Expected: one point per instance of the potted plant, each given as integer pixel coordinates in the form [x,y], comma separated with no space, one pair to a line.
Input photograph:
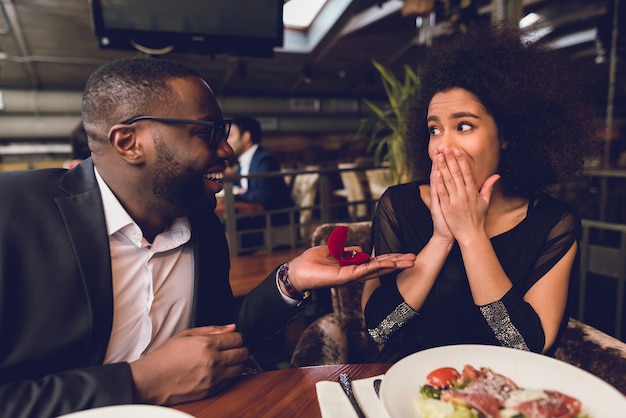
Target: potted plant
[386,128]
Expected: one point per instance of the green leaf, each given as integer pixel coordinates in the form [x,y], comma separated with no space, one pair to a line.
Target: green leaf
[386,127]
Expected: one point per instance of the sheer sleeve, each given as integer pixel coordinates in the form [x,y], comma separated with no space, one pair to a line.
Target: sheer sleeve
[559,240]
[385,227]
[386,311]
[513,321]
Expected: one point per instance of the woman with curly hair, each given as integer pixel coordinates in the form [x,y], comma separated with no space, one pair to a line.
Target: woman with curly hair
[497,121]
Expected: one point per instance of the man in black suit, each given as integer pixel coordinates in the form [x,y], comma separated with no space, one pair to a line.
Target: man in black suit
[256,193]
[245,140]
[114,275]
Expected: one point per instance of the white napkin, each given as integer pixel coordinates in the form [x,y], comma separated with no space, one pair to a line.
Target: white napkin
[335,404]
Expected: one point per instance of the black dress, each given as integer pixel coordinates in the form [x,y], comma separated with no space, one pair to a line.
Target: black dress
[449,316]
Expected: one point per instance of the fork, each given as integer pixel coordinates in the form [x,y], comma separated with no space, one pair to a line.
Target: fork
[345,381]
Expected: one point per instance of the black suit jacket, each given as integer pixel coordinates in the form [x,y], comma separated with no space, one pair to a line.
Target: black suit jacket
[56,304]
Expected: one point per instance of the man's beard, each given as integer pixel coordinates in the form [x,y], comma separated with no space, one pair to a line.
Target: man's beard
[177,186]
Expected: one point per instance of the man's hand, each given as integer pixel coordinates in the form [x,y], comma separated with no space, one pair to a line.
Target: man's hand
[316,268]
[191,365]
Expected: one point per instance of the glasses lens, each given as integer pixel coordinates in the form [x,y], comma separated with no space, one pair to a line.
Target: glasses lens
[226,127]
[221,128]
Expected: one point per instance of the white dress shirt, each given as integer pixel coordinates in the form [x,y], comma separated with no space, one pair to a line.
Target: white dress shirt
[152,282]
[244,165]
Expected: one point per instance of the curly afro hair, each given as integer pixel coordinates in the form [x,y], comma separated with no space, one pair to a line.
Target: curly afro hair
[538,103]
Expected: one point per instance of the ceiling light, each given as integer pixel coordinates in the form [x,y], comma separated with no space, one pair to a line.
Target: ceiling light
[529,19]
[301,13]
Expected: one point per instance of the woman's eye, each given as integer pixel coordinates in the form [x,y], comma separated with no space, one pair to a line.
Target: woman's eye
[464,127]
[433,130]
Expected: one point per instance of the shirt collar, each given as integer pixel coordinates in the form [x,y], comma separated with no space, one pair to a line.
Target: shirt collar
[115,215]
[117,219]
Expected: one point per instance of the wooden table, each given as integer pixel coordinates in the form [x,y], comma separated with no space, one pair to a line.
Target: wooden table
[280,393]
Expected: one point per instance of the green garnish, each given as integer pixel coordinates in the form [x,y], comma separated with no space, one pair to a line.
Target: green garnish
[430,391]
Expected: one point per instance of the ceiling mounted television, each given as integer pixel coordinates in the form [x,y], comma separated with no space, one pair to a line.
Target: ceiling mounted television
[238,27]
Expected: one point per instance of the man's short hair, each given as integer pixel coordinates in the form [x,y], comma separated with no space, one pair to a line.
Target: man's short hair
[249,124]
[128,87]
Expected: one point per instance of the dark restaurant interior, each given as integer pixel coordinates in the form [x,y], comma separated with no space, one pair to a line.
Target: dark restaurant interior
[309,86]
[307,92]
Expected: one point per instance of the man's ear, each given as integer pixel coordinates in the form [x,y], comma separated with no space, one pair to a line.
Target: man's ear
[123,139]
[246,138]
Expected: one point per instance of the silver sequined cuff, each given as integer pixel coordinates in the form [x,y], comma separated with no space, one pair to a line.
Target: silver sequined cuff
[499,320]
[396,319]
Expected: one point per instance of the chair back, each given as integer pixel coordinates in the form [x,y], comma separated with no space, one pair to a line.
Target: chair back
[303,193]
[354,192]
[346,300]
[594,351]
[379,179]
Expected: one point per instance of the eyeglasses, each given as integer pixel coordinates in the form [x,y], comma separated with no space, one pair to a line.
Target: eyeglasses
[219,127]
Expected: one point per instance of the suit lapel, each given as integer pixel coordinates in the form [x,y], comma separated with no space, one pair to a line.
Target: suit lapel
[83,215]
[254,161]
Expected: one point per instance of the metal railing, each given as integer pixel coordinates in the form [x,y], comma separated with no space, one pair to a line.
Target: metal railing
[603,255]
[327,206]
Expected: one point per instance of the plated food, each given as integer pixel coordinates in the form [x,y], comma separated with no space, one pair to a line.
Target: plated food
[482,392]
[403,381]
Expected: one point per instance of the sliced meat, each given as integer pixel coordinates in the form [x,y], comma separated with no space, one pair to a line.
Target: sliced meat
[553,405]
[487,392]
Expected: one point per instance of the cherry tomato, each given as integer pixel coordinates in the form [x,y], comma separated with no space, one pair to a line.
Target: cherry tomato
[442,377]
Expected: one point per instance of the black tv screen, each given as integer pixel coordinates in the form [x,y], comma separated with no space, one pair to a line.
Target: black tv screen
[239,27]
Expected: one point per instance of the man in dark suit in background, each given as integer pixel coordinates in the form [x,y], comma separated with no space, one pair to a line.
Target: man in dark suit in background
[256,194]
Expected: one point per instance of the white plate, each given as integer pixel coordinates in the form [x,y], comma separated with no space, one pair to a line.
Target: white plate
[128,411]
[529,370]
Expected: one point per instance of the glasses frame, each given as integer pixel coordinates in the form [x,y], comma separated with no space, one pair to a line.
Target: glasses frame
[220,126]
